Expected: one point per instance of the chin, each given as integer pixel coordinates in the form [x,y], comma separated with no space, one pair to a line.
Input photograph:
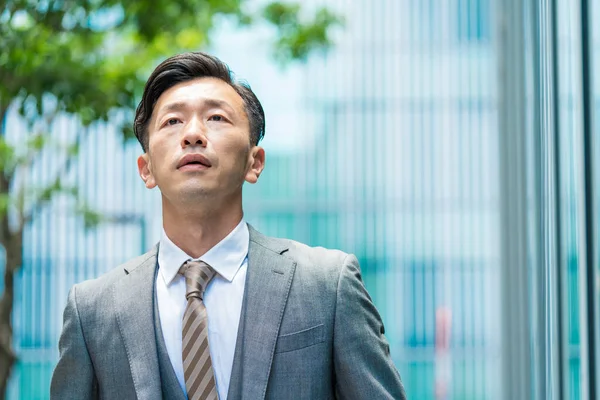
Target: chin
[194,194]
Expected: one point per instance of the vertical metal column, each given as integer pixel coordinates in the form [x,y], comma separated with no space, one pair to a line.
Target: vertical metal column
[590,222]
[561,342]
[547,266]
[515,279]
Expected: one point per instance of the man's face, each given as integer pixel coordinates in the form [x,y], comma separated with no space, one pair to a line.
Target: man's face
[199,143]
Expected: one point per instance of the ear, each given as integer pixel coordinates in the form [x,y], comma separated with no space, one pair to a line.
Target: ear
[145,171]
[256,164]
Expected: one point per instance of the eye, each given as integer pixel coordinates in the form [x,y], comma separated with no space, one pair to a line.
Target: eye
[217,118]
[172,121]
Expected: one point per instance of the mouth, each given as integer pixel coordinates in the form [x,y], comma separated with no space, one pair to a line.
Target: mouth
[193,162]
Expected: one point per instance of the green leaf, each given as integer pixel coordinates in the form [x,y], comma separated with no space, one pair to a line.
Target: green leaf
[91,217]
[37,142]
[7,155]
[47,192]
[73,150]
[281,14]
[127,132]
[298,37]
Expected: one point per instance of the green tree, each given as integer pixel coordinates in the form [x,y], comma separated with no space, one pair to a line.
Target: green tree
[87,58]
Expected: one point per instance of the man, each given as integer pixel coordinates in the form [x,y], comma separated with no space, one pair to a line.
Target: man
[216,308]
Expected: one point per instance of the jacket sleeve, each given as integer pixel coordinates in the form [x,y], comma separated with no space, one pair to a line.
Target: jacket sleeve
[363,366]
[73,377]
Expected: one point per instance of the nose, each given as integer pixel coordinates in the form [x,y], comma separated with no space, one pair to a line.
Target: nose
[193,135]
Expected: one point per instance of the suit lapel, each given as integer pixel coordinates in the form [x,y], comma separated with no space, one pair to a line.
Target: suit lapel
[134,295]
[268,282]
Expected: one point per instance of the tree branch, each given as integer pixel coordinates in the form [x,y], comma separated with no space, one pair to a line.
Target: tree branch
[4,227]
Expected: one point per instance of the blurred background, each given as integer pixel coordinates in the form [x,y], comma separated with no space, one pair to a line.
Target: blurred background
[452,145]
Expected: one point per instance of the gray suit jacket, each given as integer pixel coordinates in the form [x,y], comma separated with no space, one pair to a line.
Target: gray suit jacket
[308,330]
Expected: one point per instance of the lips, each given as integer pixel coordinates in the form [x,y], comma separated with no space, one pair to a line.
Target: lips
[194,159]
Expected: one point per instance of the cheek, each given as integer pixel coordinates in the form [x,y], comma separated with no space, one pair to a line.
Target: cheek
[156,165]
[232,152]
[159,151]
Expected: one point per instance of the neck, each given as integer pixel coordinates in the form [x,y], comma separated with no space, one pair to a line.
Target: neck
[197,231]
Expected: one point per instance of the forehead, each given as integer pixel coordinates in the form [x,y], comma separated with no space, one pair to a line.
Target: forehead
[198,91]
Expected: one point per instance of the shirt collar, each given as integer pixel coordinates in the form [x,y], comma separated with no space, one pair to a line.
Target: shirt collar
[226,257]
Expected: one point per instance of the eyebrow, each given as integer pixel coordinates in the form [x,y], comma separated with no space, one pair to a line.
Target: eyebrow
[208,103]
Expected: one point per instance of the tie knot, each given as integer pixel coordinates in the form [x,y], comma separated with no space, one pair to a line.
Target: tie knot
[197,276]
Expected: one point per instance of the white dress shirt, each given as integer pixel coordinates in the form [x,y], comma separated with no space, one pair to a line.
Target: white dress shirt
[222,298]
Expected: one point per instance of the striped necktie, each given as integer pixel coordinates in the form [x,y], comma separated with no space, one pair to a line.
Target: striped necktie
[197,365]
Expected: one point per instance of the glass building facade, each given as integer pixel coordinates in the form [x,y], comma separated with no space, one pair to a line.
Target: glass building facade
[451,145]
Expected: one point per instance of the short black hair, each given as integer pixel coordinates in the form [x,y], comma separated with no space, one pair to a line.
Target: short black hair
[185,67]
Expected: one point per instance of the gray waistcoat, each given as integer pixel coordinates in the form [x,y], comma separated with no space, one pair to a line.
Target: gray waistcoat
[169,384]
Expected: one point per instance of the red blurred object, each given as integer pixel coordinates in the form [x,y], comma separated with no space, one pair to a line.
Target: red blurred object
[443,365]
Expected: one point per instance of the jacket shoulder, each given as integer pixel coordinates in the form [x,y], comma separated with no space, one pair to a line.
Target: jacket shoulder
[319,260]
[317,255]
[98,287]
